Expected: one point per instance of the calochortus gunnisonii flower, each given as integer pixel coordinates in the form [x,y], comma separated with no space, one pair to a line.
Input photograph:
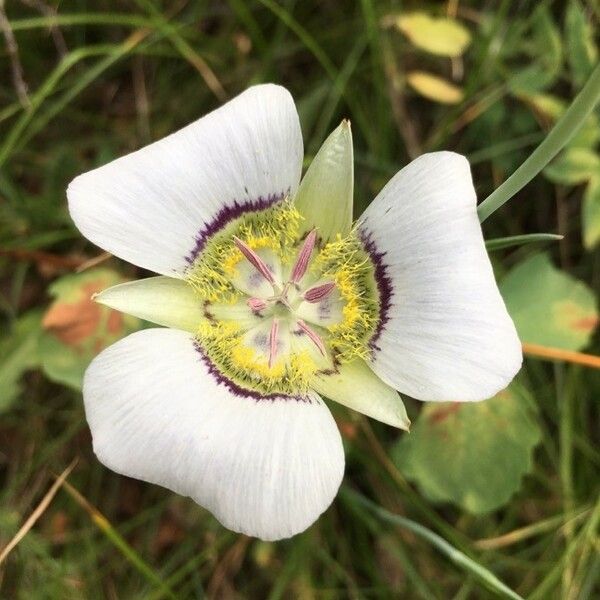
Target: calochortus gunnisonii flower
[271,298]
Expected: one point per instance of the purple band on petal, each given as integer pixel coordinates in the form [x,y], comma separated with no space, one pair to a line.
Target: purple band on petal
[236,389]
[226,215]
[384,284]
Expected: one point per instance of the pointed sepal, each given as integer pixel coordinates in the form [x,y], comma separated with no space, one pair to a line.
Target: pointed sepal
[162,300]
[355,385]
[324,197]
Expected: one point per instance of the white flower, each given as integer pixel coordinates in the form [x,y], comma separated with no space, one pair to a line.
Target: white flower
[271,298]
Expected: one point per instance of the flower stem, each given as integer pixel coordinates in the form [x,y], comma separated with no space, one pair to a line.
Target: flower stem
[555,141]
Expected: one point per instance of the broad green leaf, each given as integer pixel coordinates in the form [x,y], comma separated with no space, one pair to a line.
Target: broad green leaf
[548,306]
[77,328]
[18,353]
[471,454]
[443,36]
[591,213]
[435,88]
[573,166]
[582,52]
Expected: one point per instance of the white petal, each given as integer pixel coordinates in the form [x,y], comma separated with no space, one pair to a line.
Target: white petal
[161,300]
[446,334]
[157,206]
[325,194]
[263,467]
[354,385]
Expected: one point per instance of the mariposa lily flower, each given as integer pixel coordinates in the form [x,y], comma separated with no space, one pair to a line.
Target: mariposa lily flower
[271,299]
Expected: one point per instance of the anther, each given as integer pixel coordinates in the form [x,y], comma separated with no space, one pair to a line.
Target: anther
[317,293]
[273,341]
[254,259]
[304,257]
[256,304]
[314,337]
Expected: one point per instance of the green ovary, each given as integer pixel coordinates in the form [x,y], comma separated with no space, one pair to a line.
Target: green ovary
[265,336]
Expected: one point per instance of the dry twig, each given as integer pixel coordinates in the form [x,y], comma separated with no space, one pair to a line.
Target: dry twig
[38,512]
[12,50]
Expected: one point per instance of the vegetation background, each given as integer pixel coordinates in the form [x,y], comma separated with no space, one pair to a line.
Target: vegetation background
[511,485]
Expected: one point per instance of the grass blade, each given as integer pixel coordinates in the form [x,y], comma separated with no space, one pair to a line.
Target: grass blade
[38,512]
[117,540]
[520,240]
[456,556]
[561,133]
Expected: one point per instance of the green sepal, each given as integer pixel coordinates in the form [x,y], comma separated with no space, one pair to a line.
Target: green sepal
[356,386]
[324,197]
[162,300]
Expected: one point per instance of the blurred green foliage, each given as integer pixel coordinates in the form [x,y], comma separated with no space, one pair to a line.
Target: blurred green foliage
[104,78]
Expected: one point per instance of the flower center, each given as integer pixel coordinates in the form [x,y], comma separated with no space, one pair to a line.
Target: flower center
[279,307]
[285,306]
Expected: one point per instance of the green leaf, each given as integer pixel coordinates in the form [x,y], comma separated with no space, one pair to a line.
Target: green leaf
[573,166]
[435,88]
[443,36]
[560,135]
[18,353]
[530,80]
[553,108]
[591,214]
[471,454]
[588,136]
[548,306]
[582,51]
[547,39]
[548,105]
[546,55]
[77,328]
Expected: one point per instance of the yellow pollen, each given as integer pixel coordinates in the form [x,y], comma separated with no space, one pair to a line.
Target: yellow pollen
[226,334]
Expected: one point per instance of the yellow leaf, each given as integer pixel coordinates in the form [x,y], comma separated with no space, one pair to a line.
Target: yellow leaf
[548,105]
[443,36]
[435,88]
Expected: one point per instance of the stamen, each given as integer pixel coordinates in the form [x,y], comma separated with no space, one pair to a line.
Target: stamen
[273,341]
[304,257]
[317,293]
[254,259]
[256,304]
[314,337]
